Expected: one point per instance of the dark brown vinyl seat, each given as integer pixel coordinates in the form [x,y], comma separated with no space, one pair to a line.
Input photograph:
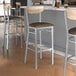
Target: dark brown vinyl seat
[72,31]
[16,17]
[41,24]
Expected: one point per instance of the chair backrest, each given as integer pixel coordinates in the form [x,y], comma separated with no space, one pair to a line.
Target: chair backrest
[71,13]
[18,10]
[6,8]
[35,9]
[18,4]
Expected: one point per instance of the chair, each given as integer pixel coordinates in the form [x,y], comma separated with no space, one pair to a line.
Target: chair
[19,22]
[7,22]
[37,26]
[70,14]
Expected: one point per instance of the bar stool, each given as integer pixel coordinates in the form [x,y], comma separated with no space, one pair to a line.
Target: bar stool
[70,14]
[37,26]
[7,22]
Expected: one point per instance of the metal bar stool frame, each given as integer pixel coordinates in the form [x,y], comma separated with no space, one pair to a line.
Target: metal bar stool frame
[35,33]
[6,28]
[7,18]
[69,14]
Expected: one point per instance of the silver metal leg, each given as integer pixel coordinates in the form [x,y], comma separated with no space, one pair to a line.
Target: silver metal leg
[16,30]
[21,39]
[4,37]
[21,34]
[52,33]
[27,42]
[7,37]
[36,63]
[40,45]
[65,61]
[75,52]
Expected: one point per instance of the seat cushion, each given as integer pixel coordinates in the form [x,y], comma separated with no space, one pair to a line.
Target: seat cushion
[16,17]
[73,31]
[40,24]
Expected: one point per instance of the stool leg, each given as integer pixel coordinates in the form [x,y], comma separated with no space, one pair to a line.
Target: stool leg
[36,63]
[27,42]
[21,34]
[4,37]
[7,43]
[75,52]
[40,46]
[16,30]
[52,33]
[66,54]
[7,30]
[16,13]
